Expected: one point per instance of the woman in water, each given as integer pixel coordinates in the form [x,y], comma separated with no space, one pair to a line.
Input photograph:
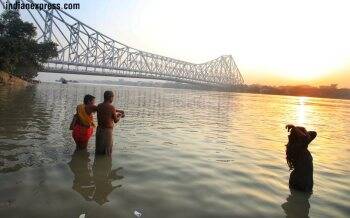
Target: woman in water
[299,158]
[82,123]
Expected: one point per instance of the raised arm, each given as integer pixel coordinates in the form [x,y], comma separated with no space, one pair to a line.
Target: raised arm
[312,135]
[93,108]
[301,132]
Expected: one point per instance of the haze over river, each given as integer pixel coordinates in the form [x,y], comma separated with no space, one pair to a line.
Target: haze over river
[177,153]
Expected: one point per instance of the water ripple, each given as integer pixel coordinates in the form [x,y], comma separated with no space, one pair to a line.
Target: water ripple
[178,153]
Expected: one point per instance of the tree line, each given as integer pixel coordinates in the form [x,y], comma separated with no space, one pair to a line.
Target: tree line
[20,54]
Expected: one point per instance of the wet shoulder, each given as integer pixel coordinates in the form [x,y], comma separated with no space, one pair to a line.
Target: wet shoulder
[105,108]
[111,107]
[100,107]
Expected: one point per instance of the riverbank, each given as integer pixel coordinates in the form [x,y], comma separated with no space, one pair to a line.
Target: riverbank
[11,80]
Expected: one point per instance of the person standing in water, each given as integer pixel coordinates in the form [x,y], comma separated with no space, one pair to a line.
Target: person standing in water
[107,116]
[83,122]
[299,158]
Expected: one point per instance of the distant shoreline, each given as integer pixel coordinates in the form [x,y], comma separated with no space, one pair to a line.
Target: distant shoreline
[307,96]
[330,92]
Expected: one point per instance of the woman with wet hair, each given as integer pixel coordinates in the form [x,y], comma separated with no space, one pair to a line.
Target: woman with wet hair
[83,122]
[299,158]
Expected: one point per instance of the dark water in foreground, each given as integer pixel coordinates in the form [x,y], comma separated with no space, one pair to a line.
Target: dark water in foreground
[178,153]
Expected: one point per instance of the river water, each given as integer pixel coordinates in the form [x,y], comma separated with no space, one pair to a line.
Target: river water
[177,153]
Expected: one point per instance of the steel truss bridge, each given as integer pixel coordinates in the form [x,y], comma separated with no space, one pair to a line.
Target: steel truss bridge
[84,50]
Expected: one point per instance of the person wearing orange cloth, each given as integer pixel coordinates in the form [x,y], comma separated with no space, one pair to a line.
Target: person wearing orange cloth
[83,122]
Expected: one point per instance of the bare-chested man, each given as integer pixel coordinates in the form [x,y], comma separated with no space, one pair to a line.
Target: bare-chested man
[107,115]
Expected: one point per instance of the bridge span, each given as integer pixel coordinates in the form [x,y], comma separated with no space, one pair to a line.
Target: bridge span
[84,50]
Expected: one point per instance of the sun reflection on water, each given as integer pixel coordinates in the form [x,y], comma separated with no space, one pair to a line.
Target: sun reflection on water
[301,117]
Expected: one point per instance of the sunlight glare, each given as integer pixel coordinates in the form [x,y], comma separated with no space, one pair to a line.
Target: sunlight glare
[301,112]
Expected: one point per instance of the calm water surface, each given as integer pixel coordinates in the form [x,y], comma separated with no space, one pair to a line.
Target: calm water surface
[177,153]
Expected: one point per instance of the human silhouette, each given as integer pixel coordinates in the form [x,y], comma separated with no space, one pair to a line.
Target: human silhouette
[297,205]
[83,181]
[93,183]
[299,158]
[103,176]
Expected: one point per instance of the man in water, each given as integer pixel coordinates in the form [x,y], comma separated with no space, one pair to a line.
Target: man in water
[107,115]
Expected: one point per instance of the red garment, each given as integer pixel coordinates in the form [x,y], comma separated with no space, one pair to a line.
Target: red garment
[81,134]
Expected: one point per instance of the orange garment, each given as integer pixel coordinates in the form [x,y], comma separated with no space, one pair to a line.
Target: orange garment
[82,134]
[83,130]
[84,118]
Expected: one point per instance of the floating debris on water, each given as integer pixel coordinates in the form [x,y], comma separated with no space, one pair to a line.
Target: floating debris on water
[137,214]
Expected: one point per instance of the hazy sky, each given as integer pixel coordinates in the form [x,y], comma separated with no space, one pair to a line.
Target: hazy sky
[272,41]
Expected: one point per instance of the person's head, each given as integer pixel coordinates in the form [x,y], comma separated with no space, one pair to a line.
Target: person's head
[89,100]
[108,96]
